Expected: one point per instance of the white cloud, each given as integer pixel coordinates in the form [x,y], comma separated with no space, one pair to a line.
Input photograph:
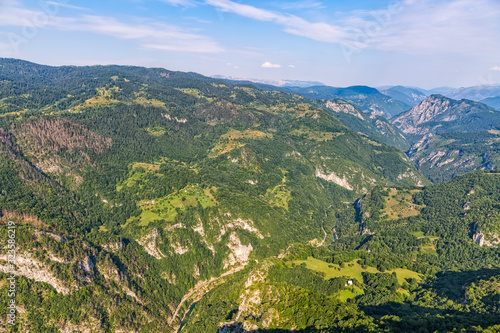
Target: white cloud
[466,27]
[429,27]
[196,19]
[304,4]
[495,68]
[147,33]
[291,66]
[267,64]
[184,3]
[319,31]
[62,4]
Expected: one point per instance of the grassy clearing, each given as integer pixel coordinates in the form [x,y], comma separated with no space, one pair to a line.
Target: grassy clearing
[249,91]
[146,101]
[418,234]
[148,216]
[103,97]
[229,141]
[315,135]
[428,248]
[13,113]
[146,166]
[155,131]
[354,271]
[233,134]
[350,292]
[400,204]
[494,131]
[279,196]
[96,101]
[224,147]
[298,110]
[138,171]
[351,269]
[195,92]
[168,207]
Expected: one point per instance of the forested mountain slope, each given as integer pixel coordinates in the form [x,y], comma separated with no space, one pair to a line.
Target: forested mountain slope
[132,186]
[147,200]
[375,127]
[450,137]
[401,260]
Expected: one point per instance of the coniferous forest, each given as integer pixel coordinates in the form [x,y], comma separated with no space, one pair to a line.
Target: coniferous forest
[148,200]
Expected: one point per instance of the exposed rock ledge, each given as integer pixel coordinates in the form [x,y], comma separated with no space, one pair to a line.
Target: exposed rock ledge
[334,178]
[35,270]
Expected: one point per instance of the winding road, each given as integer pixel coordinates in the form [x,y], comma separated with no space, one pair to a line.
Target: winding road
[324,238]
[188,295]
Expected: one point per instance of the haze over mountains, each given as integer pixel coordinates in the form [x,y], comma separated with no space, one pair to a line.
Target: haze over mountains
[486,93]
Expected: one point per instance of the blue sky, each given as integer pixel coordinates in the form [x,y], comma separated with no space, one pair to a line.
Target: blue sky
[426,43]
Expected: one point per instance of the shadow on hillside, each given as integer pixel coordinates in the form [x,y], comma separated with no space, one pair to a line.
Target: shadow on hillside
[403,317]
[419,319]
[448,285]
[451,284]
[359,329]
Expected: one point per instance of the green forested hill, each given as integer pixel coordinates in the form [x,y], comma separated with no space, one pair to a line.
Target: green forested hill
[147,200]
[425,260]
[142,184]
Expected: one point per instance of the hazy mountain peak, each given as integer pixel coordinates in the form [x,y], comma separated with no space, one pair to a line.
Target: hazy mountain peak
[278,83]
[437,110]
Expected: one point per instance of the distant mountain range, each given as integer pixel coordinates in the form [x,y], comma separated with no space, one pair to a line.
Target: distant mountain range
[428,125]
[278,83]
[367,99]
[475,93]
[409,96]
[398,98]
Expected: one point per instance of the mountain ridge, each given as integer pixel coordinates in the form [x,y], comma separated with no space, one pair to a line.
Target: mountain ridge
[440,113]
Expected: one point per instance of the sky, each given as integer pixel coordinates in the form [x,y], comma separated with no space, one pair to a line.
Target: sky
[421,43]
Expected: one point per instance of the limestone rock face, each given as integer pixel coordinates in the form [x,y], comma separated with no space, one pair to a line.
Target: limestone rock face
[341,106]
[478,238]
[427,110]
